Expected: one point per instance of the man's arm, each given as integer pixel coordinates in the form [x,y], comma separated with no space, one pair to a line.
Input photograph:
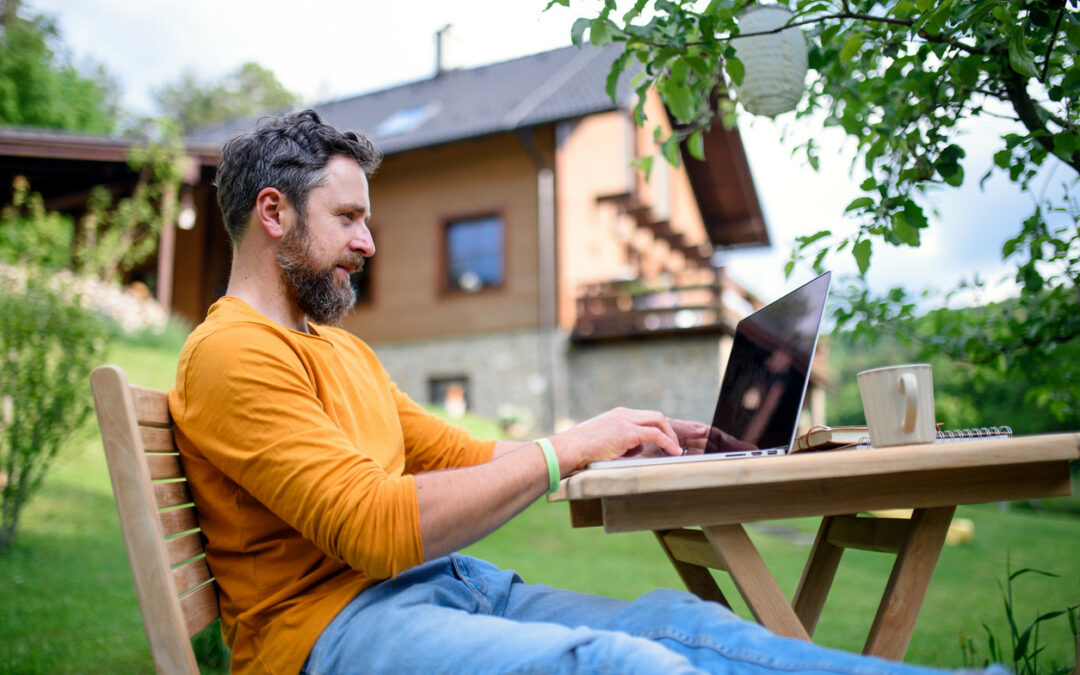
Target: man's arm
[461,506]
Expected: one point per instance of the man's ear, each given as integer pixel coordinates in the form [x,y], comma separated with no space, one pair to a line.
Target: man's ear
[270,204]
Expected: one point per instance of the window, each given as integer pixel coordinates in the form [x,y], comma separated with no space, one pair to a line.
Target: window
[474,253]
[450,393]
[361,281]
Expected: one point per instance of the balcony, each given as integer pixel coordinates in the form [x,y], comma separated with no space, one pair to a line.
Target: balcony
[712,303]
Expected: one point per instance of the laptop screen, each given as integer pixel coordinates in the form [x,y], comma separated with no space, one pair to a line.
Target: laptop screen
[768,371]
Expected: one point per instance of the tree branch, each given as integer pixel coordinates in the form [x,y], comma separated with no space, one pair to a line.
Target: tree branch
[1028,111]
[1050,47]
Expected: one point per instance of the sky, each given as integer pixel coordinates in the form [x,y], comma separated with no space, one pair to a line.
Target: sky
[327,49]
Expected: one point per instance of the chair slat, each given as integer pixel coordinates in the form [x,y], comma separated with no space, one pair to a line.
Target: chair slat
[164,466]
[200,608]
[171,494]
[178,520]
[185,547]
[191,574]
[151,406]
[157,439]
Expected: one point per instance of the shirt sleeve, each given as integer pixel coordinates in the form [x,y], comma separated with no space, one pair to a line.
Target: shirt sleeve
[253,413]
[432,444]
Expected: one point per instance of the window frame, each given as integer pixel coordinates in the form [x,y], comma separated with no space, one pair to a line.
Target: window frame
[446,287]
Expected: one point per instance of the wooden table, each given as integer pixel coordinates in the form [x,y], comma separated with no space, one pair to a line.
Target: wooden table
[718,497]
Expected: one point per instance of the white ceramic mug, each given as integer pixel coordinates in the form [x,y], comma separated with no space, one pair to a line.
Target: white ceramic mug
[898,402]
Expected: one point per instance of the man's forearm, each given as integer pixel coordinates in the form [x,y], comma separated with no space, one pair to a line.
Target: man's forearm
[462,506]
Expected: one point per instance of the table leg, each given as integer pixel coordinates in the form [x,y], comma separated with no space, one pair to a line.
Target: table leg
[904,594]
[754,581]
[817,578]
[698,579]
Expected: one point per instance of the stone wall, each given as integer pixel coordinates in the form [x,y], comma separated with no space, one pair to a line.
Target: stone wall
[503,370]
[678,376]
[508,373]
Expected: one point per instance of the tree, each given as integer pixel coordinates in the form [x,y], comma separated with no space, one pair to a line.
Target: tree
[249,90]
[40,88]
[899,77]
[49,342]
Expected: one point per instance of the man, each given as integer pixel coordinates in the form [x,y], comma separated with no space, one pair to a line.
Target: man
[332,504]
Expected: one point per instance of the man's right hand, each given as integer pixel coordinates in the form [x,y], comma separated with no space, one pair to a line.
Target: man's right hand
[620,432]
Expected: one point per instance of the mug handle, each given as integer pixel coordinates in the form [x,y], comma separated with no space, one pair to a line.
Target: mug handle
[910,389]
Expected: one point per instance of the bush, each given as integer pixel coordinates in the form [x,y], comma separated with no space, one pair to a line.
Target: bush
[48,345]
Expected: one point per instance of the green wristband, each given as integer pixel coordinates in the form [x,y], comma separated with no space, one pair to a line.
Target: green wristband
[552,463]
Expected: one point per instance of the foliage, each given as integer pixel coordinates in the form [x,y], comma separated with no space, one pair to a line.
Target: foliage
[990,362]
[40,88]
[899,78]
[1024,648]
[249,90]
[48,345]
[113,237]
[964,396]
[29,232]
[116,236]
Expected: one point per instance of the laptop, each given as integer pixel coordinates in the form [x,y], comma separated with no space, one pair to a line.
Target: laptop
[764,383]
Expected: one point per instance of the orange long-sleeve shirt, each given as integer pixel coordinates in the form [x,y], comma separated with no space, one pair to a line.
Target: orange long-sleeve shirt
[299,450]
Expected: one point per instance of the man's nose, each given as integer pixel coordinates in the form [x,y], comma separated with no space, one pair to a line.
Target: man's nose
[363,243]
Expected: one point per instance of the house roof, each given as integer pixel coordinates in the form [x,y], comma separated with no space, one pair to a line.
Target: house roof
[468,103]
[532,90]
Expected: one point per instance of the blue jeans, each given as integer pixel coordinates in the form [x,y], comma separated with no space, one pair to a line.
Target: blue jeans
[462,615]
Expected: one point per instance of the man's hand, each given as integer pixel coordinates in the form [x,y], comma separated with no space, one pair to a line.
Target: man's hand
[623,433]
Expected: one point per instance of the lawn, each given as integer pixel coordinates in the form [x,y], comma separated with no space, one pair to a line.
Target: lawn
[69,606]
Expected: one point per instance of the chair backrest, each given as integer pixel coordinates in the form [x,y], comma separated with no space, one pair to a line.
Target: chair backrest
[177,595]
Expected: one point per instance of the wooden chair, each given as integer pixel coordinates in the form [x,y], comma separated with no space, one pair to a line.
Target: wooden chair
[177,595]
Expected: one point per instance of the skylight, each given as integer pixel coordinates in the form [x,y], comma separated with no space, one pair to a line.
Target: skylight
[404,121]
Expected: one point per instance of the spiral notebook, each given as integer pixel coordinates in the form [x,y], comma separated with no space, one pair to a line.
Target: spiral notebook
[858,436]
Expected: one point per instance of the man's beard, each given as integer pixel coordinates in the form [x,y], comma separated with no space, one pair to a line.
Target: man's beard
[319,293]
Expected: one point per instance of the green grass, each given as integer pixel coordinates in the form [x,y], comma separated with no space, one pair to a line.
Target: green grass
[68,605]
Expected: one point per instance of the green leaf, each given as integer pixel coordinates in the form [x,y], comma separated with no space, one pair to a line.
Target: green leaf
[577,31]
[699,66]
[789,267]
[819,259]
[859,203]
[1066,143]
[914,215]
[1002,158]
[696,145]
[1020,57]
[811,238]
[862,251]
[851,47]
[645,165]
[599,32]
[735,70]
[904,231]
[679,99]
[670,149]
[952,174]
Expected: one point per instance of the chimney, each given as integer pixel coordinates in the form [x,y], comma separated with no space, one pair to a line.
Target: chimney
[443,50]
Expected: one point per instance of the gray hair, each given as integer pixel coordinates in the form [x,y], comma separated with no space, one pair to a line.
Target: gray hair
[288,153]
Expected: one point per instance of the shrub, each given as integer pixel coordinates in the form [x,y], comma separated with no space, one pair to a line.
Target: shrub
[48,345]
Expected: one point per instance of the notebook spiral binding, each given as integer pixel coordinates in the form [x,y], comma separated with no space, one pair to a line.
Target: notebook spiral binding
[947,435]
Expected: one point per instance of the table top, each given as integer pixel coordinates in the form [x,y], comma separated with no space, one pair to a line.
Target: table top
[818,466]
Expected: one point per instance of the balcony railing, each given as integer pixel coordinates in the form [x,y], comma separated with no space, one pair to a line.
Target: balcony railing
[620,309]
